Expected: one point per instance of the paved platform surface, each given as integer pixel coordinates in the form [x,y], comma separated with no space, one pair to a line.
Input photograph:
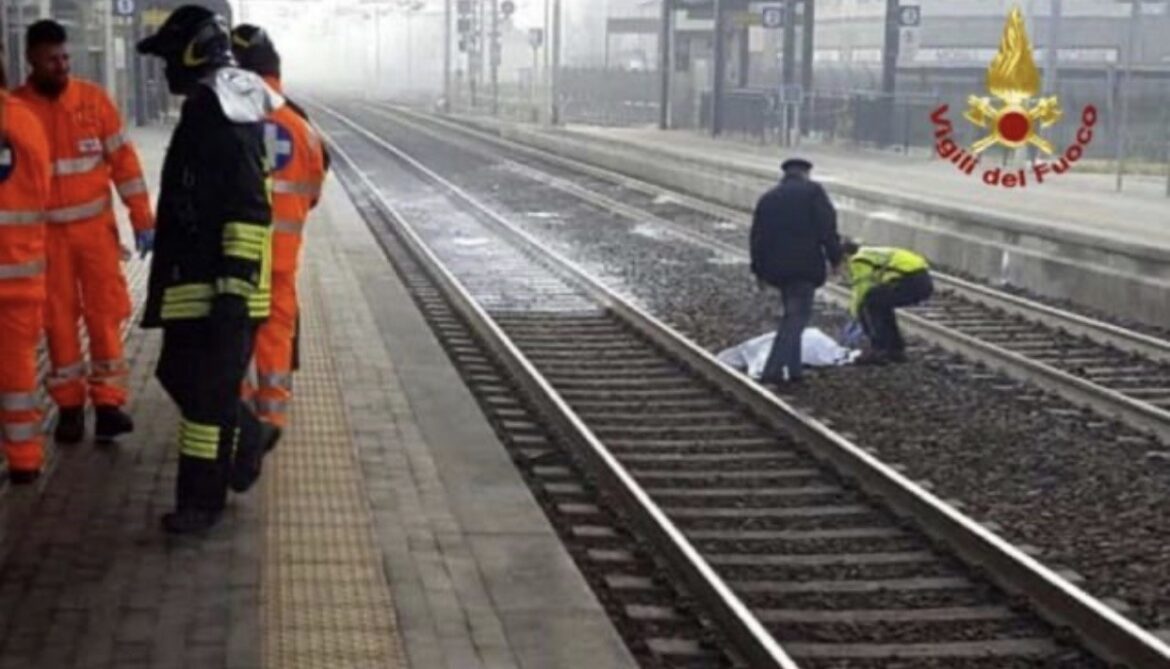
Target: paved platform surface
[390,528]
[1080,201]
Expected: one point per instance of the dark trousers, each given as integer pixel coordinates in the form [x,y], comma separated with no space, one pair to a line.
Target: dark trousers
[202,367]
[784,359]
[877,310]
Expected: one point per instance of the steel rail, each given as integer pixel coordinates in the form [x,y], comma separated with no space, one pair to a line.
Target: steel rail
[1100,628]
[1098,331]
[1070,387]
[734,619]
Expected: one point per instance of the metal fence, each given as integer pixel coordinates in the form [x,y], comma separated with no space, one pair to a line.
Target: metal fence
[1148,123]
[594,96]
[862,117]
[853,118]
[609,97]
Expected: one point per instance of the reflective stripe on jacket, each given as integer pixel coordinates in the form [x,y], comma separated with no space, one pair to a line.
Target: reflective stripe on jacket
[873,266]
[299,172]
[90,152]
[24,194]
[214,214]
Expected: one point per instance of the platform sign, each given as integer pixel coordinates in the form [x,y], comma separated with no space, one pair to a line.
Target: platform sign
[772,16]
[909,32]
[535,37]
[908,41]
[791,94]
[152,18]
[744,19]
[120,53]
[124,7]
[909,16]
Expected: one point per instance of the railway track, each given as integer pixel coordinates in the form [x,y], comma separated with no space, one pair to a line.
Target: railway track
[802,548]
[1118,372]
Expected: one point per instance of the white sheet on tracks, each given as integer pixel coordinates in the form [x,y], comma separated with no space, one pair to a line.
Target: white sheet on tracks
[817,349]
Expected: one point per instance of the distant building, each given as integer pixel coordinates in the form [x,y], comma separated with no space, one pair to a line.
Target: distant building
[965,33]
[953,34]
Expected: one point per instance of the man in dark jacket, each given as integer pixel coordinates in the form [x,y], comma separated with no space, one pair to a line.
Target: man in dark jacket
[210,278]
[793,240]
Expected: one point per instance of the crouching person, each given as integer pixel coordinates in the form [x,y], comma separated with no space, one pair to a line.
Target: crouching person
[884,279]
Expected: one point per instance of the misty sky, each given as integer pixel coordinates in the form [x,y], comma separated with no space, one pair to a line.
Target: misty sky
[332,41]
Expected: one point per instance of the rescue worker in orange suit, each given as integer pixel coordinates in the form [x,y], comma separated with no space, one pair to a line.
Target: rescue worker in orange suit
[210,277]
[300,162]
[90,150]
[24,197]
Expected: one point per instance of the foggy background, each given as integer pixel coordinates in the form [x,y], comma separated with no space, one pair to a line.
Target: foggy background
[1107,56]
[386,48]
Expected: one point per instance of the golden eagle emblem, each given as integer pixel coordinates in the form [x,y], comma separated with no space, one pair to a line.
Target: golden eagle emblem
[1013,78]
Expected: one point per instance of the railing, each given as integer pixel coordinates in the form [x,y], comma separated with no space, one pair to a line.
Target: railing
[857,117]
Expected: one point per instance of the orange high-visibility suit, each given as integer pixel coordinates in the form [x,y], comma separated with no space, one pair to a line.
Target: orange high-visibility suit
[24,196]
[89,151]
[299,163]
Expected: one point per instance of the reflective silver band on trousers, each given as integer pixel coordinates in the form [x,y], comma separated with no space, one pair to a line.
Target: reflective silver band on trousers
[79,212]
[11,217]
[68,166]
[131,187]
[21,431]
[266,406]
[22,270]
[109,366]
[19,401]
[296,188]
[67,373]
[275,380]
[291,227]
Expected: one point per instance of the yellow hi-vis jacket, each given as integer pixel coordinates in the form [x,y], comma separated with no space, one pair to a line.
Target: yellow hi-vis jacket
[874,265]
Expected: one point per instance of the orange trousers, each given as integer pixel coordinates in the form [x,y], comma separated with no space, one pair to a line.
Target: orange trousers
[84,280]
[21,323]
[274,352]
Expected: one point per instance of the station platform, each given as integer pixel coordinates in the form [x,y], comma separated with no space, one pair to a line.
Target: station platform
[390,528]
[1070,239]
[1079,201]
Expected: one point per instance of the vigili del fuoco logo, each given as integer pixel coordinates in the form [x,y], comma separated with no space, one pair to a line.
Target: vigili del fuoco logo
[1012,78]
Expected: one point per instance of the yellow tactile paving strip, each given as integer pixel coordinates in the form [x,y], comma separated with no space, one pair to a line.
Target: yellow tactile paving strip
[324,599]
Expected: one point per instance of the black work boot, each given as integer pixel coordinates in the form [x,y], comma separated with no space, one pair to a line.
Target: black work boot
[256,439]
[23,476]
[270,437]
[111,422]
[70,425]
[190,521]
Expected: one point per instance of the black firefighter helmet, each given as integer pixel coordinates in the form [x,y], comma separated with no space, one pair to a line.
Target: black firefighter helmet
[254,50]
[192,41]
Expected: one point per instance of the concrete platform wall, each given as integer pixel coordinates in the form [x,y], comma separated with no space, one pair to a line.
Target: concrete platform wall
[1122,279]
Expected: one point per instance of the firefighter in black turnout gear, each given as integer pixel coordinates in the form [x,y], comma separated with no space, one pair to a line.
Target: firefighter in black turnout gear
[209,280]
